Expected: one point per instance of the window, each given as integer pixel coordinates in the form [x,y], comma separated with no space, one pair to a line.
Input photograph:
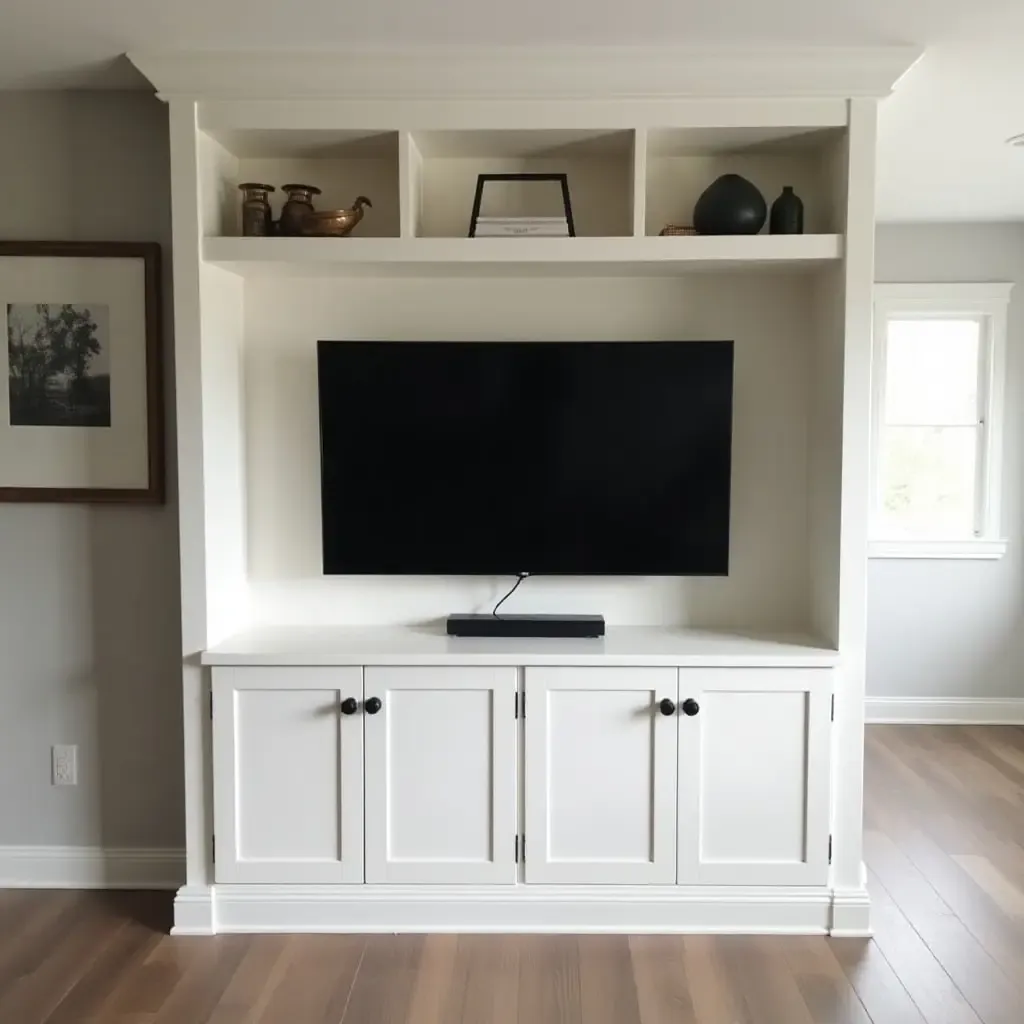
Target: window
[937,375]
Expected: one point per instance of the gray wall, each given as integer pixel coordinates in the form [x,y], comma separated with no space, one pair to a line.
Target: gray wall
[956,628]
[89,620]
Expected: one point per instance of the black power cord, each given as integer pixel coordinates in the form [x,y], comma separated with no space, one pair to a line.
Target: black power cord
[520,576]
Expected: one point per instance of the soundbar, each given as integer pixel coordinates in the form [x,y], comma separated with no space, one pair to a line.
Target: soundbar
[567,626]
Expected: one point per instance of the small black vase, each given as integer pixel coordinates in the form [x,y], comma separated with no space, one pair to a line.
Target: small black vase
[787,214]
[730,205]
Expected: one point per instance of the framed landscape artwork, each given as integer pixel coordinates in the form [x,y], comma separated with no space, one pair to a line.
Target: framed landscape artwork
[81,415]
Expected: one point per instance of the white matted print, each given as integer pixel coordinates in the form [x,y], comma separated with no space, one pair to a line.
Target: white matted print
[81,414]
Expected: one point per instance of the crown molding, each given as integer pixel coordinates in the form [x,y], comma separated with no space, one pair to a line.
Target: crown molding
[595,73]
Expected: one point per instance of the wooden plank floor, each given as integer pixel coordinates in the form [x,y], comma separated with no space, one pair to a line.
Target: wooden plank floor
[945,849]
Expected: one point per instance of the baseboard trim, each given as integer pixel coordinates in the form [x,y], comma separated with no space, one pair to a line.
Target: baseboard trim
[541,909]
[193,911]
[944,710]
[90,867]
[851,914]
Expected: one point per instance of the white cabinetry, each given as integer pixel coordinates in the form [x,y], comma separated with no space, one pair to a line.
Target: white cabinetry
[641,133]
[441,775]
[729,787]
[754,776]
[657,776]
[452,788]
[288,775]
[600,775]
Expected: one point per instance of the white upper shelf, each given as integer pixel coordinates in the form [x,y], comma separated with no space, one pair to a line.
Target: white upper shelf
[459,257]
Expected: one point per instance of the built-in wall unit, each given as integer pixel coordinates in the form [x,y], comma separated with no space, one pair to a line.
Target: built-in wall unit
[349,766]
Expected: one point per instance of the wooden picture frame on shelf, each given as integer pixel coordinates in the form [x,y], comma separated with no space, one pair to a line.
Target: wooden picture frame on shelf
[81,415]
[561,179]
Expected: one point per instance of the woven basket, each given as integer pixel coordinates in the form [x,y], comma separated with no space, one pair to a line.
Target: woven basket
[677,229]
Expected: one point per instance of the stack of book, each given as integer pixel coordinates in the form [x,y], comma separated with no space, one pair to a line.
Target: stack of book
[522,227]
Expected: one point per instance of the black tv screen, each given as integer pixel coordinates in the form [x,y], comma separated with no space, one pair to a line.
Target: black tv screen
[526,457]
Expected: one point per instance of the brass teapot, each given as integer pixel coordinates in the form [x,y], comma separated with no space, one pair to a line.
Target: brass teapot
[334,223]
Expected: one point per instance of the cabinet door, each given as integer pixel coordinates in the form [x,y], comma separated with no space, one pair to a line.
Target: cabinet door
[600,775]
[287,775]
[754,776]
[441,775]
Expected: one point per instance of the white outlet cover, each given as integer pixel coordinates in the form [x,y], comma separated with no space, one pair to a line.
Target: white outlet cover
[64,765]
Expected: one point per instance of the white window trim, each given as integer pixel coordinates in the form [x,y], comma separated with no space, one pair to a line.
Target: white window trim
[985,300]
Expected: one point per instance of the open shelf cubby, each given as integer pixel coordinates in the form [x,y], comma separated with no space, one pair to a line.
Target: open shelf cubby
[343,164]
[445,166]
[682,162]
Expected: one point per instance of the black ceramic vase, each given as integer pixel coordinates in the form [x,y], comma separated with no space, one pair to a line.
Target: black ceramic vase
[730,205]
[787,214]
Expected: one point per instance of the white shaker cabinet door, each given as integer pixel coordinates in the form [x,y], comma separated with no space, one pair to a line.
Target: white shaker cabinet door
[441,774]
[754,773]
[600,775]
[288,774]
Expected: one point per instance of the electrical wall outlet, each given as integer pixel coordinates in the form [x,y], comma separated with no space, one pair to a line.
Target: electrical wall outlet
[64,765]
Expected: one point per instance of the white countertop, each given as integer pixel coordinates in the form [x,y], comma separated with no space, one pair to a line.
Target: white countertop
[430,645]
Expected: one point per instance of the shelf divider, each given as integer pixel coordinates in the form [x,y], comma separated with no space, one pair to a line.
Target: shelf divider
[639,183]
[410,185]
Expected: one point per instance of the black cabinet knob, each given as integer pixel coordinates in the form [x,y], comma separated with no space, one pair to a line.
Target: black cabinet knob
[667,707]
[689,707]
[349,706]
[373,705]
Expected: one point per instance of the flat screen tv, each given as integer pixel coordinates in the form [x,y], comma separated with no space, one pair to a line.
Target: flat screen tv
[491,458]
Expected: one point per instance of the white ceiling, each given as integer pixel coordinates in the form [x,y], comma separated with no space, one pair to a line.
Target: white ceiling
[942,153]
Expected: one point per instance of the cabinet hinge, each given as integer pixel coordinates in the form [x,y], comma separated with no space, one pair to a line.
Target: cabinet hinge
[522,846]
[832,713]
[213,849]
[211,704]
[830,849]
[517,716]
[517,849]
[522,705]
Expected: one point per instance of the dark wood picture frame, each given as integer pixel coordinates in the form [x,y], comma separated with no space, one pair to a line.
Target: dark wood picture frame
[483,179]
[149,252]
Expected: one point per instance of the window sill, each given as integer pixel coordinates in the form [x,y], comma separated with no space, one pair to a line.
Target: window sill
[982,550]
